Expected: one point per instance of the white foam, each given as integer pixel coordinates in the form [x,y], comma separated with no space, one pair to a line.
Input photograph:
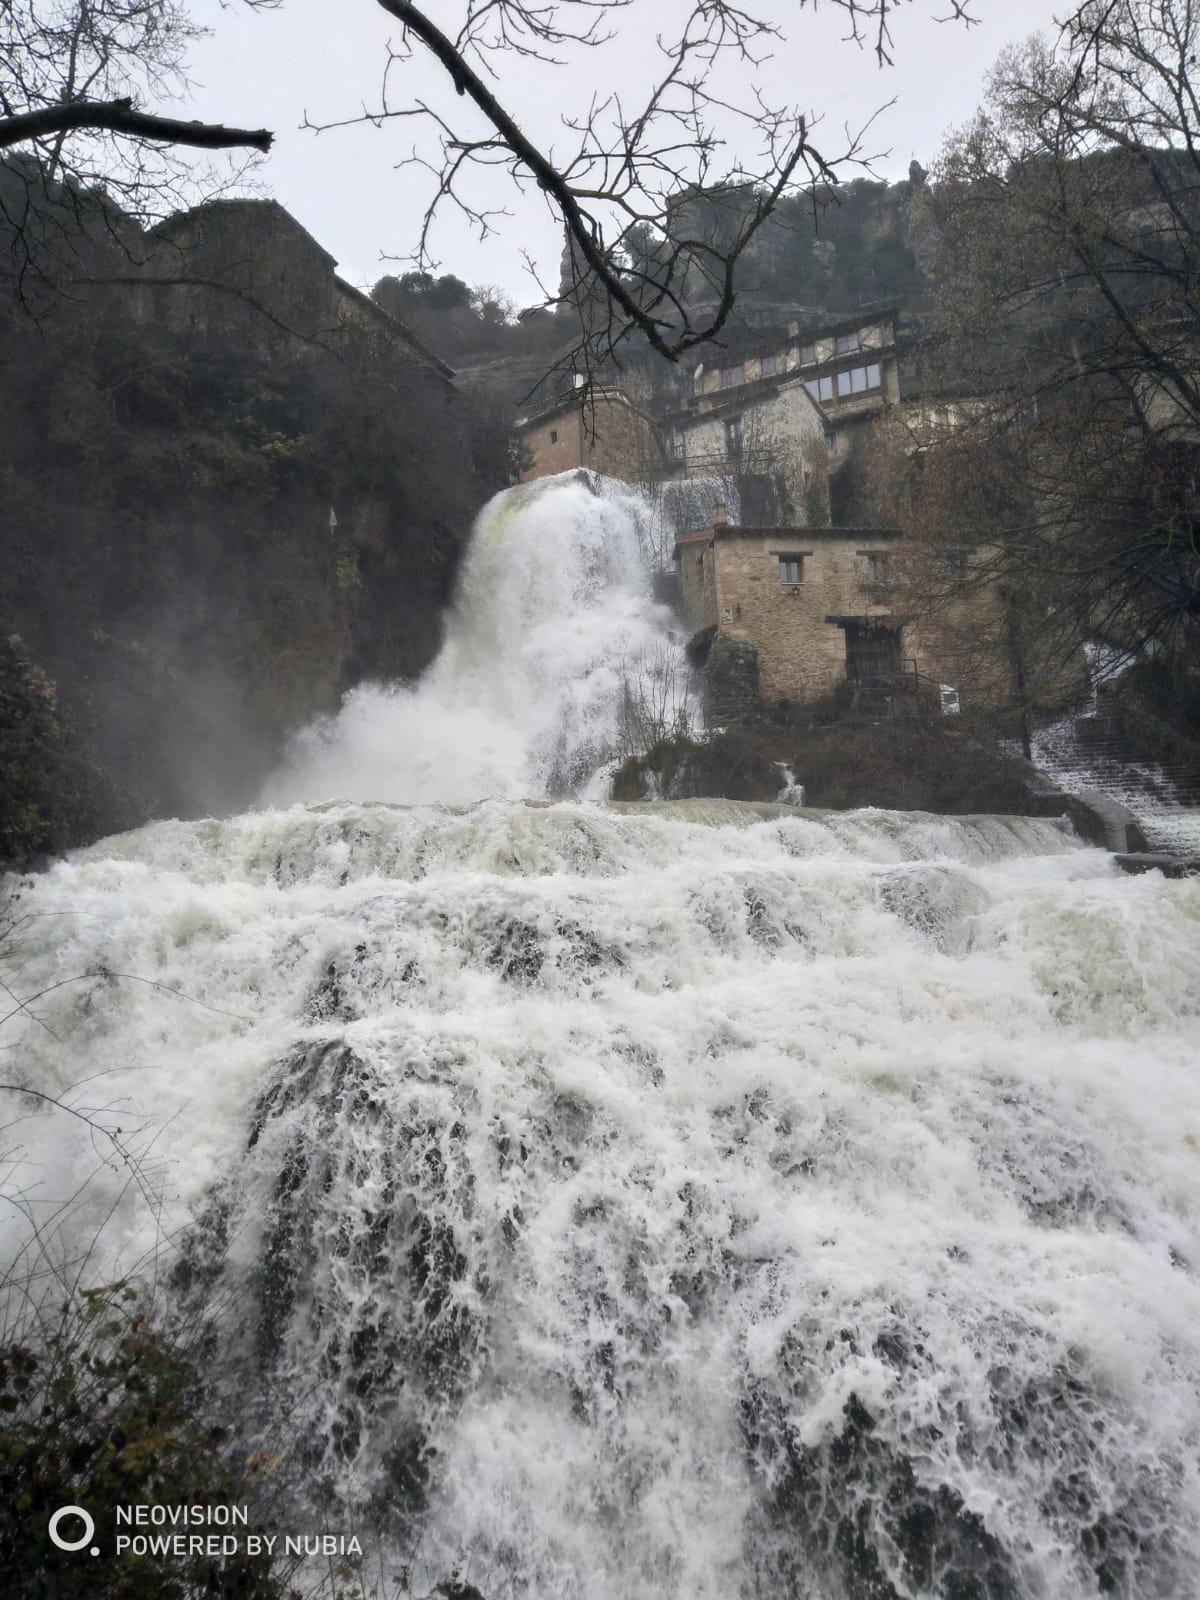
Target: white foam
[632,1152]
[553,626]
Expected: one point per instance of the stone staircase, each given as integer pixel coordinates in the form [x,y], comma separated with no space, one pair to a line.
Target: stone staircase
[1090,753]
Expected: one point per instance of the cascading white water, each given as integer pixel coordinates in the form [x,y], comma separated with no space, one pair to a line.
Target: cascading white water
[686,1201]
[553,625]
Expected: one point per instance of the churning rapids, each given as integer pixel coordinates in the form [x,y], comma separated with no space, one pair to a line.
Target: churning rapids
[694,1201]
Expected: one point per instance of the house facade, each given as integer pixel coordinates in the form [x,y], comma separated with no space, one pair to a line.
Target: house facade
[784,417]
[849,366]
[809,613]
[598,428]
[812,603]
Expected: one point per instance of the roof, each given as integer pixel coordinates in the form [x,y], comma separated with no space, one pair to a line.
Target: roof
[574,400]
[744,394]
[246,207]
[373,308]
[724,530]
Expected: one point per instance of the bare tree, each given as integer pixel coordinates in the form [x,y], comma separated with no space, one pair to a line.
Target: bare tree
[72,67]
[657,207]
[1067,222]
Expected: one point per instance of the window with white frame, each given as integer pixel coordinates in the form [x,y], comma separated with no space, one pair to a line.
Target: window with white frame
[820,388]
[847,343]
[859,380]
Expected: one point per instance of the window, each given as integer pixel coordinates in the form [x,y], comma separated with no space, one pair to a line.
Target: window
[553,435]
[820,388]
[847,343]
[859,380]
[770,365]
[733,436]
[791,568]
[877,565]
[808,355]
[733,375]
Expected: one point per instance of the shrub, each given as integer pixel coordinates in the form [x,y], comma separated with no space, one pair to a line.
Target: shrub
[50,791]
[99,1410]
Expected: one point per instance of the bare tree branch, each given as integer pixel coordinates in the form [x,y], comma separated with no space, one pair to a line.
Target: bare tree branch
[658,212]
[119,116]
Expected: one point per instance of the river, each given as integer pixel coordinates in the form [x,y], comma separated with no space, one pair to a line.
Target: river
[683,1200]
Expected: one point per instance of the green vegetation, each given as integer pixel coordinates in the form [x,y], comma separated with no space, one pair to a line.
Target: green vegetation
[99,1410]
[458,320]
[51,793]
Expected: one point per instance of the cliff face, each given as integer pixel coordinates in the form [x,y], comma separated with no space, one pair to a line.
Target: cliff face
[854,251]
[168,557]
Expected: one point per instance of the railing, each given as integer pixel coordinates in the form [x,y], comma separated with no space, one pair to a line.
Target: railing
[903,691]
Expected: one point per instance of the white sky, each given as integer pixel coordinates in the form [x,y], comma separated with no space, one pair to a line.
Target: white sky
[325,58]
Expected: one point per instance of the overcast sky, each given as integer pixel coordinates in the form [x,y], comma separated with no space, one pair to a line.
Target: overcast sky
[324,58]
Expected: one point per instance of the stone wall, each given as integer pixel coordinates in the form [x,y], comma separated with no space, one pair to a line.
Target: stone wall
[779,433]
[696,568]
[246,272]
[732,688]
[603,432]
[802,655]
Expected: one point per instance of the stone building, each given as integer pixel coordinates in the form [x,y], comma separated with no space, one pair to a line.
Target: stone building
[806,614]
[598,428]
[797,598]
[247,270]
[848,365]
[784,416]
[803,609]
[770,437]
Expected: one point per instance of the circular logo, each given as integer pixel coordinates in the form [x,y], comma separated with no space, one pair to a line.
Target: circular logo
[89,1528]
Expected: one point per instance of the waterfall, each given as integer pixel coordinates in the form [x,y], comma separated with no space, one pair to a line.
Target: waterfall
[552,626]
[665,1202]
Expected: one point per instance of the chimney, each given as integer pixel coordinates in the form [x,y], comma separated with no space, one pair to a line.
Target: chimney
[720,515]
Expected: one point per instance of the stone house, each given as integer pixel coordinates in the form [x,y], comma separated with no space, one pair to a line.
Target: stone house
[598,428]
[783,416]
[807,613]
[802,610]
[849,366]
[770,437]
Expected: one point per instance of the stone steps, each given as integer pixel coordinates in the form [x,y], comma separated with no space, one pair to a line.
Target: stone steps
[1092,755]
